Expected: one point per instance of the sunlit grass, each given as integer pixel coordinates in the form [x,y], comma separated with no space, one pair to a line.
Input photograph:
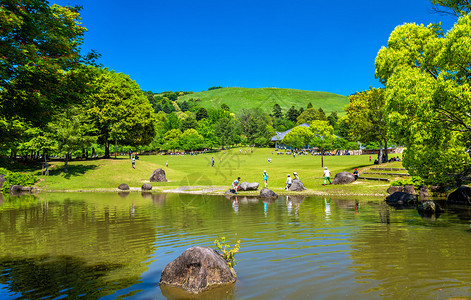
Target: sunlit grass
[187,170]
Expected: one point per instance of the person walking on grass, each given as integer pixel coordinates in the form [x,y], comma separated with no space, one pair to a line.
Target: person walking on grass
[212,161]
[265,178]
[133,161]
[327,176]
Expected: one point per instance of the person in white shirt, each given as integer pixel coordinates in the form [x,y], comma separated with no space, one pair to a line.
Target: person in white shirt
[327,176]
[289,181]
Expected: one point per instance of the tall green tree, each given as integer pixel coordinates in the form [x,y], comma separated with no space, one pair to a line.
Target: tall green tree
[118,102]
[428,84]
[277,113]
[71,131]
[191,140]
[39,56]
[225,129]
[298,138]
[292,114]
[367,118]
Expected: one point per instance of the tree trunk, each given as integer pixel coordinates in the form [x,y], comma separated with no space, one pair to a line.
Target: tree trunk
[66,163]
[386,148]
[115,147]
[107,149]
[380,158]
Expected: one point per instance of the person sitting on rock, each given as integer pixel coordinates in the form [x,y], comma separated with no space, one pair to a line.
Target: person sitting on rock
[355,173]
[289,181]
[295,175]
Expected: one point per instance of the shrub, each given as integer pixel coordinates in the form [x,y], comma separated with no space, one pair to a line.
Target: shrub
[228,254]
[17,178]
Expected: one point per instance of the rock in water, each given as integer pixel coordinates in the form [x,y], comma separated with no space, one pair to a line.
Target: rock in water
[146,187]
[462,195]
[246,186]
[343,178]
[158,176]
[267,193]
[429,208]
[297,186]
[123,187]
[196,270]
[393,189]
[399,199]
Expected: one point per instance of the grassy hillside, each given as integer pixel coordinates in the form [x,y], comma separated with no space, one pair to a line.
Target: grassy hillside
[265,98]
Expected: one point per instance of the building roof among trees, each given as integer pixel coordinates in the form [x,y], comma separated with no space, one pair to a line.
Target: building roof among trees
[280,135]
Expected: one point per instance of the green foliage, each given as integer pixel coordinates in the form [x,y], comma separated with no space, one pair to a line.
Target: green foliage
[310,115]
[17,178]
[277,111]
[292,114]
[453,7]
[299,137]
[191,140]
[214,88]
[202,113]
[227,253]
[416,181]
[119,110]
[428,97]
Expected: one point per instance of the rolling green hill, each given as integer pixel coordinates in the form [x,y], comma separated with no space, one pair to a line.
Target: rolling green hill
[265,98]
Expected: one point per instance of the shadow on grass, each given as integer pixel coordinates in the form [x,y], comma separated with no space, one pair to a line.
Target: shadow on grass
[74,170]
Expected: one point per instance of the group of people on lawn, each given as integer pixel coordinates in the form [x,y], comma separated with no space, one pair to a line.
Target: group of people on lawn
[289,179]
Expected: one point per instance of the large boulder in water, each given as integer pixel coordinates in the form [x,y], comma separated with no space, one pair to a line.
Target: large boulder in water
[198,269]
[267,193]
[462,195]
[399,199]
[158,176]
[248,186]
[343,178]
[297,186]
[429,208]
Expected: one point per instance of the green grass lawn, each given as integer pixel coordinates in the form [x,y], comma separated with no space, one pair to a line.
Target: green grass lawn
[197,171]
[264,98]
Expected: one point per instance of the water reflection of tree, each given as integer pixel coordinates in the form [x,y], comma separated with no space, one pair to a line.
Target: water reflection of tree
[93,240]
[401,256]
[36,277]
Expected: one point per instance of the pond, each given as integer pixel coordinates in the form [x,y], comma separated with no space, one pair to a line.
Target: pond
[108,246]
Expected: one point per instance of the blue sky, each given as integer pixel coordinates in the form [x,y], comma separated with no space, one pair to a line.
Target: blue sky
[189,45]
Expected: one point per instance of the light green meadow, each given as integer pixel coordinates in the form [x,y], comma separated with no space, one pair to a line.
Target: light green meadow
[197,173]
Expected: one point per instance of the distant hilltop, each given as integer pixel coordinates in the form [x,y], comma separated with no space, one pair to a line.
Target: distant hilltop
[238,98]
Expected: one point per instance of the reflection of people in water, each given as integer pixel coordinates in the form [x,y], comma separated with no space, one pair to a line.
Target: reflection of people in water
[235,205]
[289,205]
[327,208]
[357,207]
[265,208]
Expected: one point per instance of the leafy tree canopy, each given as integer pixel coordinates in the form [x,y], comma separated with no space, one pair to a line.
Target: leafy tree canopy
[428,96]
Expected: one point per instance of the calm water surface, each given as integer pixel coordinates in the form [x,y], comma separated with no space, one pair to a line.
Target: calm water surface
[109,246]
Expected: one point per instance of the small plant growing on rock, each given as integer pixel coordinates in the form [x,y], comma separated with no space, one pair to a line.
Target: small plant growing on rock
[227,253]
